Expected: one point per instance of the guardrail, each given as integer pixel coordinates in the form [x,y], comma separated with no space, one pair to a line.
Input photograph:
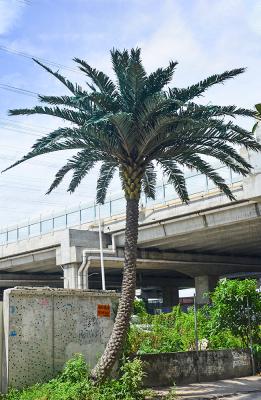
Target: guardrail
[196,183]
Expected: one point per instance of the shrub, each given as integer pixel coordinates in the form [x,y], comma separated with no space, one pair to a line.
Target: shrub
[167,332]
[237,307]
[235,312]
[74,384]
[139,307]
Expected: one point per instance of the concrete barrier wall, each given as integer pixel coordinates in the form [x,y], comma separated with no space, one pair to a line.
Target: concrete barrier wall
[184,367]
[44,327]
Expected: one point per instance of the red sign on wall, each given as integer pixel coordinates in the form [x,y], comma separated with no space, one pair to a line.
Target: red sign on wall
[104,310]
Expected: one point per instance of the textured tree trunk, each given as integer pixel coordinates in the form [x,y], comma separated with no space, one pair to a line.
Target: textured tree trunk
[122,321]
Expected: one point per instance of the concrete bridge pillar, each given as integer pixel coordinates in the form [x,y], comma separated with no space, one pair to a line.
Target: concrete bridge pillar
[70,275]
[204,284]
[170,295]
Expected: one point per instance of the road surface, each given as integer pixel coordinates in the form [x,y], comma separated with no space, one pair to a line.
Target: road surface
[247,396]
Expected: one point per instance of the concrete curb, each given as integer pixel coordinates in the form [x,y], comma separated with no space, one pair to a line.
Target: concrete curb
[222,389]
[216,396]
[161,396]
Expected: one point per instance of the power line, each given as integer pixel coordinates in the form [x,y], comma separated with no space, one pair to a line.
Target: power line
[26,2]
[18,90]
[24,129]
[40,164]
[7,128]
[26,189]
[44,60]
[22,124]
[37,202]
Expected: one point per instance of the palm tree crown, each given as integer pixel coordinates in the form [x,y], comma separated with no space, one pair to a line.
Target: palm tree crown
[137,121]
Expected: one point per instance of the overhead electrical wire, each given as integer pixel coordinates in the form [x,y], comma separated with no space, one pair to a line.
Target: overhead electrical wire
[37,202]
[26,2]
[26,126]
[18,90]
[34,161]
[29,129]
[10,128]
[44,60]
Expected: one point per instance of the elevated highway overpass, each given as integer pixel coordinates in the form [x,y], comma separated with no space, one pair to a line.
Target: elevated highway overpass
[179,245]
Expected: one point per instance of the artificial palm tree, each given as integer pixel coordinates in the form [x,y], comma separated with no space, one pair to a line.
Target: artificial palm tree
[132,125]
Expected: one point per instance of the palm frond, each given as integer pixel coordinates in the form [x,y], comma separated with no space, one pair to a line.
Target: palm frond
[176,178]
[229,156]
[149,180]
[159,78]
[199,88]
[106,174]
[197,111]
[104,102]
[59,177]
[78,118]
[132,83]
[82,162]
[258,108]
[85,136]
[131,77]
[82,103]
[124,124]
[120,62]
[99,78]
[74,88]
[193,161]
[66,144]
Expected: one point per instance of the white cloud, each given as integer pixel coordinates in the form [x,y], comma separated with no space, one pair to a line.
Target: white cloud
[10,11]
[254,19]
[209,39]
[173,39]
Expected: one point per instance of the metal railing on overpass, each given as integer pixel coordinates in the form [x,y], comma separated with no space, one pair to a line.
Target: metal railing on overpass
[87,213]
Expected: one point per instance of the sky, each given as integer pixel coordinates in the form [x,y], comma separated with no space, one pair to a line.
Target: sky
[204,36]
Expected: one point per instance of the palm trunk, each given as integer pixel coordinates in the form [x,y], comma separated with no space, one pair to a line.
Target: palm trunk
[122,321]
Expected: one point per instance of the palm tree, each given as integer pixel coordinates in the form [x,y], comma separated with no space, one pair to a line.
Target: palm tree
[131,125]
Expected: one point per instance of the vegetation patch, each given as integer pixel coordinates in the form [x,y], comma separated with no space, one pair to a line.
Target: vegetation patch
[231,321]
[74,383]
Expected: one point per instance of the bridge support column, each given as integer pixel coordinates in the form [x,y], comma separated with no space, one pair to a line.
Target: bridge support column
[70,275]
[170,295]
[204,285]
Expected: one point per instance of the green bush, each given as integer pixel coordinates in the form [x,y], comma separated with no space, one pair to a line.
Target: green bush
[168,332]
[175,331]
[257,356]
[74,384]
[237,308]
[139,307]
[226,323]
[224,340]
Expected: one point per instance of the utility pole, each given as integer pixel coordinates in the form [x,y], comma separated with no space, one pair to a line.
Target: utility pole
[196,337]
[101,252]
[250,339]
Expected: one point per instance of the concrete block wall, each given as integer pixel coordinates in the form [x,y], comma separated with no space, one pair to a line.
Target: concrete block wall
[44,327]
[165,369]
